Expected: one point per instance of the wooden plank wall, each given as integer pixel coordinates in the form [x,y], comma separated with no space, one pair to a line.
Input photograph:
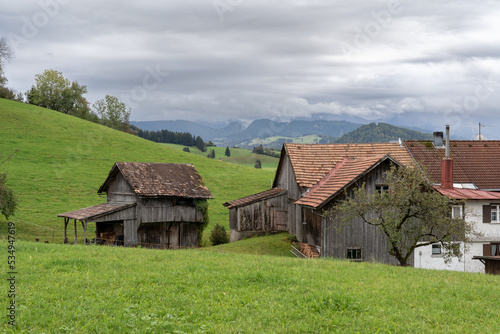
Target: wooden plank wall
[357,234]
[120,191]
[268,215]
[168,235]
[157,210]
[286,180]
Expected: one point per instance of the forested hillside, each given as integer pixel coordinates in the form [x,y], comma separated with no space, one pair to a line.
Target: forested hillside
[380,133]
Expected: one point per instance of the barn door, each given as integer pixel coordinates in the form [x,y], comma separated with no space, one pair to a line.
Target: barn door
[150,235]
[278,219]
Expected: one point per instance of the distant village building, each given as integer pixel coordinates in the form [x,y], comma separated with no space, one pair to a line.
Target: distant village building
[158,205]
[312,177]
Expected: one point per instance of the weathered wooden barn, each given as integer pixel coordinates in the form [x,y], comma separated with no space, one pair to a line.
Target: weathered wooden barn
[355,240]
[158,205]
[257,214]
[314,177]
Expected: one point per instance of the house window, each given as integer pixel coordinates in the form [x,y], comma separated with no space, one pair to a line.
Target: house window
[381,189]
[495,249]
[436,249]
[495,213]
[353,254]
[457,211]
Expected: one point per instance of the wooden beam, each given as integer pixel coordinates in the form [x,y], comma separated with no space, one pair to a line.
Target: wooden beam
[84,224]
[76,240]
[66,221]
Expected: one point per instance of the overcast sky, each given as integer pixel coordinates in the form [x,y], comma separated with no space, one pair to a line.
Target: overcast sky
[216,60]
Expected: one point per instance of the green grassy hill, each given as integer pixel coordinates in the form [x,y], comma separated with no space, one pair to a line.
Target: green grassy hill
[238,156]
[98,289]
[62,161]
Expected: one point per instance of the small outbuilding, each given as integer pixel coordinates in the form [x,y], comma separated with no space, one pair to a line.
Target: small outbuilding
[157,205]
[258,214]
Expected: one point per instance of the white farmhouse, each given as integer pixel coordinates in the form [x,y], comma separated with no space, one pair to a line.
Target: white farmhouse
[468,173]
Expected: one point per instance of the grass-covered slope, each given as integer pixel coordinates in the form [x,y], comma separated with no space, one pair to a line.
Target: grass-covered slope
[97,289]
[238,156]
[62,161]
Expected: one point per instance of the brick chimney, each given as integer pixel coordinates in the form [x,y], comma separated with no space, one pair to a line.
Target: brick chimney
[447,164]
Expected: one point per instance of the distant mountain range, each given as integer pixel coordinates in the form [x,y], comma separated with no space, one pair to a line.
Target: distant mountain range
[237,134]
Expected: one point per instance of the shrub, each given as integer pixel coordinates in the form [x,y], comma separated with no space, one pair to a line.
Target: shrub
[219,235]
[186,149]
[258,164]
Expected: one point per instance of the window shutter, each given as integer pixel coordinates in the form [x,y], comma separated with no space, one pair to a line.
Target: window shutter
[486,249]
[486,214]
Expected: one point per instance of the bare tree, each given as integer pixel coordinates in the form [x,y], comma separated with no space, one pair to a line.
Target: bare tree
[5,54]
[5,51]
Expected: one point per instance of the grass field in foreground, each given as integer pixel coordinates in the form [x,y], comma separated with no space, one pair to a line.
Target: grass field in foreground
[98,289]
[63,160]
[238,156]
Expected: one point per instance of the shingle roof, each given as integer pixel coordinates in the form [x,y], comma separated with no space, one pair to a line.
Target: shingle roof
[160,179]
[345,173]
[473,161]
[469,194]
[96,211]
[311,162]
[255,198]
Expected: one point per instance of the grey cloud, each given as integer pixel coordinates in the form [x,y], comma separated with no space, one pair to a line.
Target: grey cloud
[270,59]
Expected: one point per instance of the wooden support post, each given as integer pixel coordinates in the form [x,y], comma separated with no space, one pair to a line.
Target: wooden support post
[84,224]
[76,240]
[66,221]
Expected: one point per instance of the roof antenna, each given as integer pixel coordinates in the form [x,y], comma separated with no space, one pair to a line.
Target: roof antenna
[479,137]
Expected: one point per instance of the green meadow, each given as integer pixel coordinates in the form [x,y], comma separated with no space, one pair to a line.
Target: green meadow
[238,156]
[99,289]
[62,161]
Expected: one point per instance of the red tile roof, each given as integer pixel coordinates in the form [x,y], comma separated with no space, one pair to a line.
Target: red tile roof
[311,162]
[473,161]
[345,173]
[255,198]
[468,194]
[160,179]
[96,211]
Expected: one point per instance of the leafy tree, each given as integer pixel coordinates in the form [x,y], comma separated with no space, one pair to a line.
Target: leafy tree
[7,93]
[211,154]
[53,91]
[228,152]
[258,150]
[8,201]
[200,144]
[5,54]
[411,214]
[112,112]
[219,235]
[258,164]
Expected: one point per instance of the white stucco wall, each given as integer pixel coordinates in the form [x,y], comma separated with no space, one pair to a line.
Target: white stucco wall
[490,233]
